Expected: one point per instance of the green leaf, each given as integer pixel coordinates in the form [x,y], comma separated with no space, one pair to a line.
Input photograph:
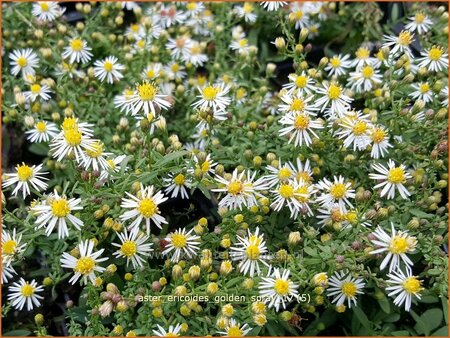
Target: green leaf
[443,331]
[17,333]
[401,333]
[444,301]
[310,251]
[39,149]
[421,327]
[420,213]
[362,317]
[433,318]
[171,157]
[385,305]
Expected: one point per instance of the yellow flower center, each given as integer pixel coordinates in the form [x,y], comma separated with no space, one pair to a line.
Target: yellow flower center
[349,289]
[96,150]
[35,89]
[84,265]
[134,28]
[128,248]
[175,67]
[419,18]
[378,135]
[435,53]
[303,175]
[301,81]
[141,44]
[412,285]
[60,207]
[44,6]
[243,42]
[303,190]
[235,331]
[147,91]
[301,121]
[179,179]
[362,53]
[69,123]
[281,287]
[351,217]
[235,187]
[248,8]
[147,207]
[367,72]
[22,61]
[195,49]
[27,290]
[205,166]
[298,15]
[9,247]
[405,38]
[359,128]
[24,172]
[297,105]
[108,66]
[179,241]
[338,190]
[171,334]
[396,175]
[41,127]
[398,245]
[76,45]
[334,92]
[286,191]
[253,252]
[151,74]
[73,137]
[191,6]
[111,164]
[210,93]
[335,62]
[424,88]
[284,173]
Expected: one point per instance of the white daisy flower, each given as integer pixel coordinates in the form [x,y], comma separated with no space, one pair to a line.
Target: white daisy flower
[354,129]
[302,171]
[277,287]
[86,264]
[180,47]
[397,245]
[70,70]
[146,98]
[182,245]
[434,59]
[344,287]
[403,287]
[77,51]
[207,166]
[363,58]
[8,272]
[24,177]
[380,141]
[250,251]
[43,131]
[338,192]
[173,331]
[113,167]
[420,23]
[175,71]
[289,194]
[144,208]
[176,185]
[96,158]
[213,96]
[135,31]
[445,94]
[240,189]
[299,127]
[194,8]
[400,44]
[11,246]
[134,247]
[170,16]
[23,60]
[364,79]
[302,84]
[195,55]
[246,12]
[241,46]
[333,97]
[391,178]
[123,101]
[129,5]
[338,65]
[47,10]
[271,6]
[296,103]
[23,292]
[152,71]
[235,329]
[108,69]
[279,175]
[38,91]
[57,211]
[422,91]
[333,215]
[298,16]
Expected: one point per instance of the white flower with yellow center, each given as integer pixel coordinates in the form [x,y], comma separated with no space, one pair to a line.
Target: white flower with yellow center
[152,71]
[339,191]
[403,287]
[96,157]
[362,57]
[182,244]
[77,51]
[332,96]
[241,46]
[246,12]
[299,127]
[195,55]
[147,99]
[108,69]
[213,96]
[334,217]
[289,193]
[282,174]
[445,94]
[298,15]
[302,171]
[364,79]
[422,91]
[114,165]
[135,32]
[175,71]
[47,11]
[419,22]
[301,84]
[391,178]
[207,165]
[400,44]
[8,272]
[84,265]
[235,329]
[177,184]
[344,287]
[271,6]
[435,59]
[37,91]
[56,211]
[23,60]
[23,292]
[123,101]
[240,189]
[338,65]
[11,246]
[180,47]
[194,8]
[380,141]
[133,246]
[24,177]
[250,251]
[173,331]
[277,287]
[296,103]
[397,245]
[42,131]
[144,208]
[70,70]
[355,129]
